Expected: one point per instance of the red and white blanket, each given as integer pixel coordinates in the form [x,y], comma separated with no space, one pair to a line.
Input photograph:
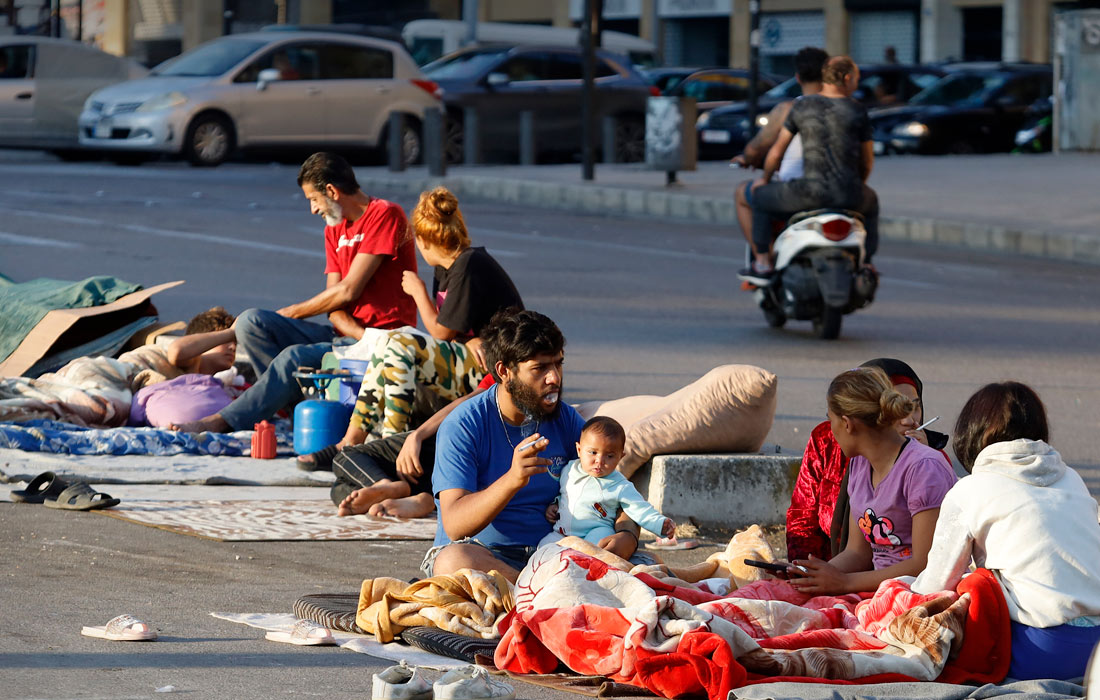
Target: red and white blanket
[682,642]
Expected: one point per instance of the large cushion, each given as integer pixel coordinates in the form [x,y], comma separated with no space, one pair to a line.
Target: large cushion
[729,409]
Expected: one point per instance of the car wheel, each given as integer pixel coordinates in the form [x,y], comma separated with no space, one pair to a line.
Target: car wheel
[454,140]
[210,140]
[411,145]
[629,140]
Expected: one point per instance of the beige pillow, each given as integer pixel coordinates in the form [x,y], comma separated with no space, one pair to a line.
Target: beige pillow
[729,409]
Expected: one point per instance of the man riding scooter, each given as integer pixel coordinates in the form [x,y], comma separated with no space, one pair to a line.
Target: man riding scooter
[837,160]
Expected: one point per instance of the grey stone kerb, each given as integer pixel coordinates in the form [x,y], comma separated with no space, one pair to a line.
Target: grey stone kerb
[724,490]
[680,206]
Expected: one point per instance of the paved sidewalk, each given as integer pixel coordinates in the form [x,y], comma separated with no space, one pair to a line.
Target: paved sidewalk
[1035,205]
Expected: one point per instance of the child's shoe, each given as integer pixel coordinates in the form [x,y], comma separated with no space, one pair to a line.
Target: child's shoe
[401,682]
[472,683]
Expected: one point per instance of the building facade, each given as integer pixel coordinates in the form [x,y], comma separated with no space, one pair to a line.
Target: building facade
[687,32]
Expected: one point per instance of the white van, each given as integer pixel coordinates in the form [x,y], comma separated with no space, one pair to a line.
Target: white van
[428,39]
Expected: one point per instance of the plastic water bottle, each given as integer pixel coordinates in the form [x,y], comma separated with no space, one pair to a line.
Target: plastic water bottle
[263,441]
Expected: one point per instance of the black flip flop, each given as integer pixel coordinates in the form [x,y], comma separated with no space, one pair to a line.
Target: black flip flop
[44,487]
[322,459]
[80,496]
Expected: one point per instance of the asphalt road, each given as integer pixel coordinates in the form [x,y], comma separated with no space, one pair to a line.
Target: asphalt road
[647,306]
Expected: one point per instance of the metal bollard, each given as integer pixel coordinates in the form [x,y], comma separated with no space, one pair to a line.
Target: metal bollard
[435,152]
[609,124]
[394,144]
[526,137]
[471,146]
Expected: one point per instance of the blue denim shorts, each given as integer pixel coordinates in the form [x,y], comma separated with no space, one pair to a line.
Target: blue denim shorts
[514,555]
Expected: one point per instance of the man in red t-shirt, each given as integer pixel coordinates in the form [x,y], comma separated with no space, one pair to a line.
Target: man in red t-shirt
[367,250]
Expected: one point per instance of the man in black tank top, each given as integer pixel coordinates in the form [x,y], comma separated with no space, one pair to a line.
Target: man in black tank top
[837,158]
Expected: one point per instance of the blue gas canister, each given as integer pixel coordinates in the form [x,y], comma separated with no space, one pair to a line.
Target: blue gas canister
[318,424]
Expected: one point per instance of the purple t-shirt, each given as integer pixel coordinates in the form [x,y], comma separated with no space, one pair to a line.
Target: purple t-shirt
[921,477]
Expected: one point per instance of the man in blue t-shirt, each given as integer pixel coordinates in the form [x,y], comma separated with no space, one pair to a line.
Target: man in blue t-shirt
[494,452]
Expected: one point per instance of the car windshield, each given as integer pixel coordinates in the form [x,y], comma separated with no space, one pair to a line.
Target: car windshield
[785,90]
[211,59]
[468,64]
[961,89]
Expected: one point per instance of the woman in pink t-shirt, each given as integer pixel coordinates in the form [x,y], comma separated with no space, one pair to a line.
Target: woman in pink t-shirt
[895,486]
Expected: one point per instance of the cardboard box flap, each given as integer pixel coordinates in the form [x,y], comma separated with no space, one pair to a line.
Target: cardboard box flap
[54,324]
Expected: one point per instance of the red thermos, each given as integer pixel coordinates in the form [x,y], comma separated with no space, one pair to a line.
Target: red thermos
[263,441]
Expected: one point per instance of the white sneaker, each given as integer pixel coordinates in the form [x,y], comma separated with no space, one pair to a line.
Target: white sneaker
[401,683]
[1092,676]
[472,683]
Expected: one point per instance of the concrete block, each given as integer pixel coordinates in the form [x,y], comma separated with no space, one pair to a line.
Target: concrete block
[550,196]
[614,200]
[893,228]
[634,201]
[1086,248]
[725,212]
[656,204]
[948,233]
[531,193]
[1032,243]
[592,199]
[922,230]
[727,490]
[679,206]
[489,188]
[509,191]
[1004,240]
[976,236]
[571,196]
[1059,246]
[702,209]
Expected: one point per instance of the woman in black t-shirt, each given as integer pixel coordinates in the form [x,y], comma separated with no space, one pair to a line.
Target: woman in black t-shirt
[469,287]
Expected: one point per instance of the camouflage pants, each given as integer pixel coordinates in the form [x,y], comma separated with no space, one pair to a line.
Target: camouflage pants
[385,402]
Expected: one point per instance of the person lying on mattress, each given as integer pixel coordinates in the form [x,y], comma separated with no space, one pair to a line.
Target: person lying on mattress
[1027,517]
[895,487]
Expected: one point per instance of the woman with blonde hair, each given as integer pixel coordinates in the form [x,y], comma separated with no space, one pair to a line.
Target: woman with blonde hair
[895,487]
[469,287]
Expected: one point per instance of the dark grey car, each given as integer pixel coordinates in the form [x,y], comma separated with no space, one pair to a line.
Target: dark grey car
[500,82]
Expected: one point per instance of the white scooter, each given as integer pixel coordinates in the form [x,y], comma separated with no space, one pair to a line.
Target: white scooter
[820,272]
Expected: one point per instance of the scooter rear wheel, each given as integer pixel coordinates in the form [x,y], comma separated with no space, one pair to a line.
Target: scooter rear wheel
[827,325]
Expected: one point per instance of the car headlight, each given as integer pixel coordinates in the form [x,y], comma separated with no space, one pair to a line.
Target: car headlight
[702,121]
[761,121]
[165,101]
[912,129]
[88,104]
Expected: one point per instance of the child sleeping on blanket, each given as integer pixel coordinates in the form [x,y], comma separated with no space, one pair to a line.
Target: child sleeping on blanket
[592,492]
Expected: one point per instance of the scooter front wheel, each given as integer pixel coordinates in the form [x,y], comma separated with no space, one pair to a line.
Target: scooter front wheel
[775,318]
[827,325]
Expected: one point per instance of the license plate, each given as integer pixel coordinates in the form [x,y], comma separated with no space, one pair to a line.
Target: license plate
[103,129]
[879,148]
[711,136]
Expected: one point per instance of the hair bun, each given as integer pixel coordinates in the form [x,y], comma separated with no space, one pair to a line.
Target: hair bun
[444,202]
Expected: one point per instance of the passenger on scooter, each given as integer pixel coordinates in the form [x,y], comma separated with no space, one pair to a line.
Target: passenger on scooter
[808,63]
[837,160]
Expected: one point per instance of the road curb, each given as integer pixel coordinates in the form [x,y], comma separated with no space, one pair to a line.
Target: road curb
[685,207]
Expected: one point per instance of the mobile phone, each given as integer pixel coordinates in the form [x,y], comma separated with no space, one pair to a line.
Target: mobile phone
[775,567]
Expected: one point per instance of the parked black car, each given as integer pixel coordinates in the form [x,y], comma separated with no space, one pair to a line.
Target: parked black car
[718,87]
[500,82]
[724,131]
[976,108]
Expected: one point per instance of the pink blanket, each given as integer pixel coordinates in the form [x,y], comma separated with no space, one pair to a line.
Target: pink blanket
[634,629]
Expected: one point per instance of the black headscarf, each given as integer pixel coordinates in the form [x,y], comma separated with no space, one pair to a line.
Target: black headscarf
[899,373]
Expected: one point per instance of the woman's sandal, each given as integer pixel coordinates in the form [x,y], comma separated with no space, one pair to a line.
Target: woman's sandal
[124,628]
[321,459]
[80,496]
[47,486]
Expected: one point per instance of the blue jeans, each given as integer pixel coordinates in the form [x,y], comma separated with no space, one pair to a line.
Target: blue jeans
[278,346]
[1060,652]
[262,335]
